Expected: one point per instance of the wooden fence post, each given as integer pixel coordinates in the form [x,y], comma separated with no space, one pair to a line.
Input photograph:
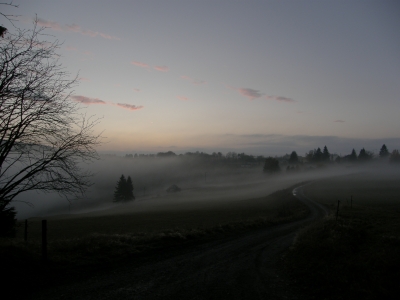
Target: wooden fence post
[26,230]
[44,241]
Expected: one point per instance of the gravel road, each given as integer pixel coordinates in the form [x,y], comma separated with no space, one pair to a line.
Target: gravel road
[242,267]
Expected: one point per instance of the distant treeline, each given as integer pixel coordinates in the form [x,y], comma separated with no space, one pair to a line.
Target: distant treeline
[230,157]
[313,156]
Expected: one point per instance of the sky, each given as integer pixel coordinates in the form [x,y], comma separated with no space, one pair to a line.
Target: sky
[263,77]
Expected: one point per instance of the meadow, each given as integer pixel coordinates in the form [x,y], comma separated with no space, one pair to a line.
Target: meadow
[343,256]
[355,255]
[83,244]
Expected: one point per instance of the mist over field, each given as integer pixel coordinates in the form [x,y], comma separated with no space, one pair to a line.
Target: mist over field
[202,183]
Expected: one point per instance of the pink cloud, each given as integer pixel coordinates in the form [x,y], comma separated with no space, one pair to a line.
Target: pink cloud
[137,90]
[182,98]
[84,79]
[74,28]
[140,64]
[280,98]
[87,100]
[50,24]
[339,121]
[69,48]
[129,106]
[250,93]
[193,81]
[161,68]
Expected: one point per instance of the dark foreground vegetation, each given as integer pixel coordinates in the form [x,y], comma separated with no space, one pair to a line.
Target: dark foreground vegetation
[75,254]
[357,255]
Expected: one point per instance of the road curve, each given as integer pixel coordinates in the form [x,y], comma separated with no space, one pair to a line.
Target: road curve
[243,267]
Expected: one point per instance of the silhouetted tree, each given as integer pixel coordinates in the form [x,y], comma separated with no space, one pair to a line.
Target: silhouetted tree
[124,189]
[325,154]
[129,189]
[318,155]
[271,165]
[166,154]
[231,155]
[43,136]
[246,158]
[119,193]
[364,155]
[353,156]
[293,159]
[384,152]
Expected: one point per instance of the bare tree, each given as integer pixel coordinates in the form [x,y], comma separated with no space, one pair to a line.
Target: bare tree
[9,17]
[44,137]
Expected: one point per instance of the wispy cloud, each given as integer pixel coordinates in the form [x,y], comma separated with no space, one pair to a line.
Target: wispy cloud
[74,28]
[137,90]
[87,100]
[193,81]
[129,106]
[161,68]
[279,98]
[70,48]
[84,79]
[182,98]
[250,93]
[50,24]
[140,64]
[339,121]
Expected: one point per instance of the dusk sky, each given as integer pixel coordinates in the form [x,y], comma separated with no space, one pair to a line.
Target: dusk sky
[263,77]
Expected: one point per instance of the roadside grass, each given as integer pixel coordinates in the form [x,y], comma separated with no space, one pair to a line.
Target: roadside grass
[357,255]
[86,245]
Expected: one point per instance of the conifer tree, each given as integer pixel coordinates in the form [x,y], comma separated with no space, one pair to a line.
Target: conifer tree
[364,155]
[129,189]
[317,155]
[384,152]
[353,155]
[124,189]
[325,154]
[119,193]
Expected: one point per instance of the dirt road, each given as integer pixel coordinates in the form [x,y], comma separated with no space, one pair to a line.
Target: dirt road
[241,267]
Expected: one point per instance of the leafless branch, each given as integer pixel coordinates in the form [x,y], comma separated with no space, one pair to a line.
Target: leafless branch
[10,18]
[44,137]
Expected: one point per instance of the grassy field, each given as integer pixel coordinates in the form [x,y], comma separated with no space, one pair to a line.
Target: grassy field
[82,244]
[357,255]
[130,219]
